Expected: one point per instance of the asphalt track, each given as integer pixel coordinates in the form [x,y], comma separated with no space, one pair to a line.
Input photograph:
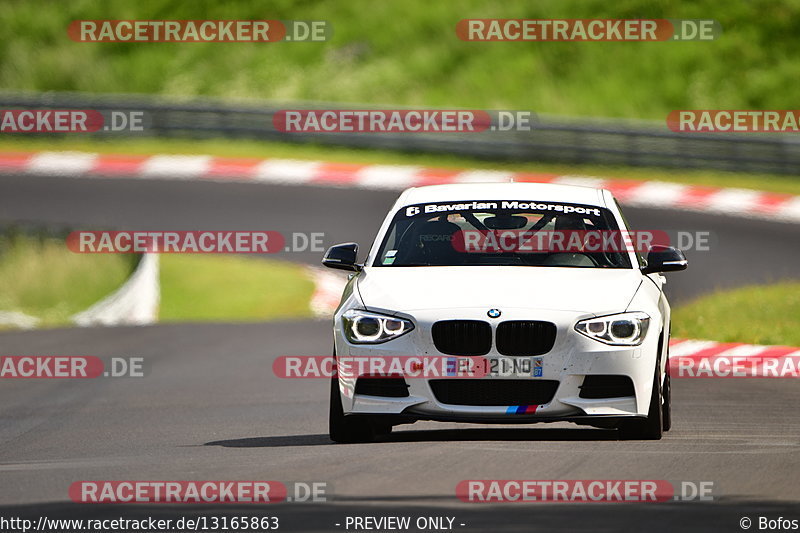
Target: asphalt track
[210,408]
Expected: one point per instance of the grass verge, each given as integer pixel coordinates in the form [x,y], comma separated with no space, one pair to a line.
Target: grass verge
[232,288]
[759,314]
[42,278]
[258,149]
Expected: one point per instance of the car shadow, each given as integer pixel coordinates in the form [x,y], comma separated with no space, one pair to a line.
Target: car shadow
[274,442]
[501,434]
[430,435]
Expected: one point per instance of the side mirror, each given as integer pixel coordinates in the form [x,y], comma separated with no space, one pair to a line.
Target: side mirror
[664,259]
[342,257]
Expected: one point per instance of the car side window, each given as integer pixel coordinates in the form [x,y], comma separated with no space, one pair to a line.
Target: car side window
[639,257]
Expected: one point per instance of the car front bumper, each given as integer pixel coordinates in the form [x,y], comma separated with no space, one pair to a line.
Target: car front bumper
[567,365]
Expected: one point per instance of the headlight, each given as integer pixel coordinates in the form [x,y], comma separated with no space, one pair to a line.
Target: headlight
[365,327]
[624,329]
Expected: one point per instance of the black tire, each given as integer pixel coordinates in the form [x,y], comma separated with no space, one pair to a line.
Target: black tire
[666,409]
[652,427]
[381,430]
[346,429]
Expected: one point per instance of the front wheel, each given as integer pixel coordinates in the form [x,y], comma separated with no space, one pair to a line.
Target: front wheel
[346,429]
[652,427]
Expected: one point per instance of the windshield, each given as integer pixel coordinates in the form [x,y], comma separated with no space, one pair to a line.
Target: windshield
[500,232]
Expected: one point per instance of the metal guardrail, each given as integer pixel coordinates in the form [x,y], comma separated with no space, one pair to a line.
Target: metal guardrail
[553,139]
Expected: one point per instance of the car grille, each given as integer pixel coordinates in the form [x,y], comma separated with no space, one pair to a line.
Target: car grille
[462,337]
[496,392]
[525,337]
[381,386]
[595,387]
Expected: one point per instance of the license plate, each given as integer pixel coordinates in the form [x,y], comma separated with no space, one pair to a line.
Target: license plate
[519,367]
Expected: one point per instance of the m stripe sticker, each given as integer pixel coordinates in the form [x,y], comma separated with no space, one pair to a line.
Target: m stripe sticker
[521,409]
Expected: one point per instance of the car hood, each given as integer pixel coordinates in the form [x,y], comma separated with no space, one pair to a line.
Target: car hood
[405,289]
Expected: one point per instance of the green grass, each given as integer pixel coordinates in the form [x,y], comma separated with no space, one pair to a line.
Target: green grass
[42,278]
[768,314]
[250,148]
[199,287]
[406,52]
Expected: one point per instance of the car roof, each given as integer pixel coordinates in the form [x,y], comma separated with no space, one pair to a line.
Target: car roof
[543,192]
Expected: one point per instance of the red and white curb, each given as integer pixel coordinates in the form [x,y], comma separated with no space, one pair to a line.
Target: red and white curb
[729,201]
[711,359]
[695,348]
[328,288]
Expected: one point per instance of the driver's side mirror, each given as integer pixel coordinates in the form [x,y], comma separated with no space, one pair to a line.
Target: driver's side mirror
[664,259]
[342,257]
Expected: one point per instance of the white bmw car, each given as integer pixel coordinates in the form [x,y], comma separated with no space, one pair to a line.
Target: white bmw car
[576,334]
